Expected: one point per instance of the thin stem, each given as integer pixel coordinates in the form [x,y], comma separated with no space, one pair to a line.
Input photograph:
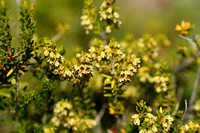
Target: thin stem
[44,119]
[104,36]
[16,101]
[191,42]
[18,4]
[100,114]
[114,78]
[3,67]
[98,118]
[195,40]
[168,108]
[33,1]
[183,113]
[113,73]
[58,35]
[184,65]
[194,92]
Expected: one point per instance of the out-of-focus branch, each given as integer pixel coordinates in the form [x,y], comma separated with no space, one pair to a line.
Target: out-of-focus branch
[100,114]
[191,42]
[194,43]
[16,101]
[18,3]
[194,92]
[58,35]
[98,118]
[184,65]
[104,36]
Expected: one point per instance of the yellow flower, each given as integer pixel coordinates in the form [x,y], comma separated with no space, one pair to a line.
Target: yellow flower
[111,111]
[122,130]
[184,27]
[145,58]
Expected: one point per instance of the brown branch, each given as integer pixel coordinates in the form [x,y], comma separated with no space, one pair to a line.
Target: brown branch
[3,67]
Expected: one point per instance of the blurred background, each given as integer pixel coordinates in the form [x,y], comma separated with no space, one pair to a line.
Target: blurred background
[138,17]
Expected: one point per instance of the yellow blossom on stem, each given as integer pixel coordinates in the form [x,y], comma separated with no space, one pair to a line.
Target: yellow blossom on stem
[184,28]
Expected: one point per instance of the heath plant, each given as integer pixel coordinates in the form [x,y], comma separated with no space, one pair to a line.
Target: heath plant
[104,85]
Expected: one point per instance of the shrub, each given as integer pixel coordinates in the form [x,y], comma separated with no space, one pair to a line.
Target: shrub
[103,84]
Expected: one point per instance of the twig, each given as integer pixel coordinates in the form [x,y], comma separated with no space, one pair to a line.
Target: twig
[58,35]
[113,73]
[104,36]
[114,77]
[100,114]
[44,119]
[184,65]
[33,1]
[16,102]
[195,40]
[98,118]
[168,107]
[194,92]
[18,2]
[191,42]
[3,67]
[183,113]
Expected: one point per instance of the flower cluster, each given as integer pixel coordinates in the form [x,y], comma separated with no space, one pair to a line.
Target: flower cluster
[161,83]
[105,57]
[144,75]
[57,63]
[148,123]
[65,115]
[82,73]
[78,74]
[184,28]
[144,118]
[108,14]
[167,122]
[151,71]
[190,128]
[129,68]
[148,47]
[135,119]
[111,59]
[88,18]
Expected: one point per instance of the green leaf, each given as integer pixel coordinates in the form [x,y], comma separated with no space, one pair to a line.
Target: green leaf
[116,64]
[107,95]
[10,72]
[20,71]
[5,93]
[112,84]
[107,88]
[106,76]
